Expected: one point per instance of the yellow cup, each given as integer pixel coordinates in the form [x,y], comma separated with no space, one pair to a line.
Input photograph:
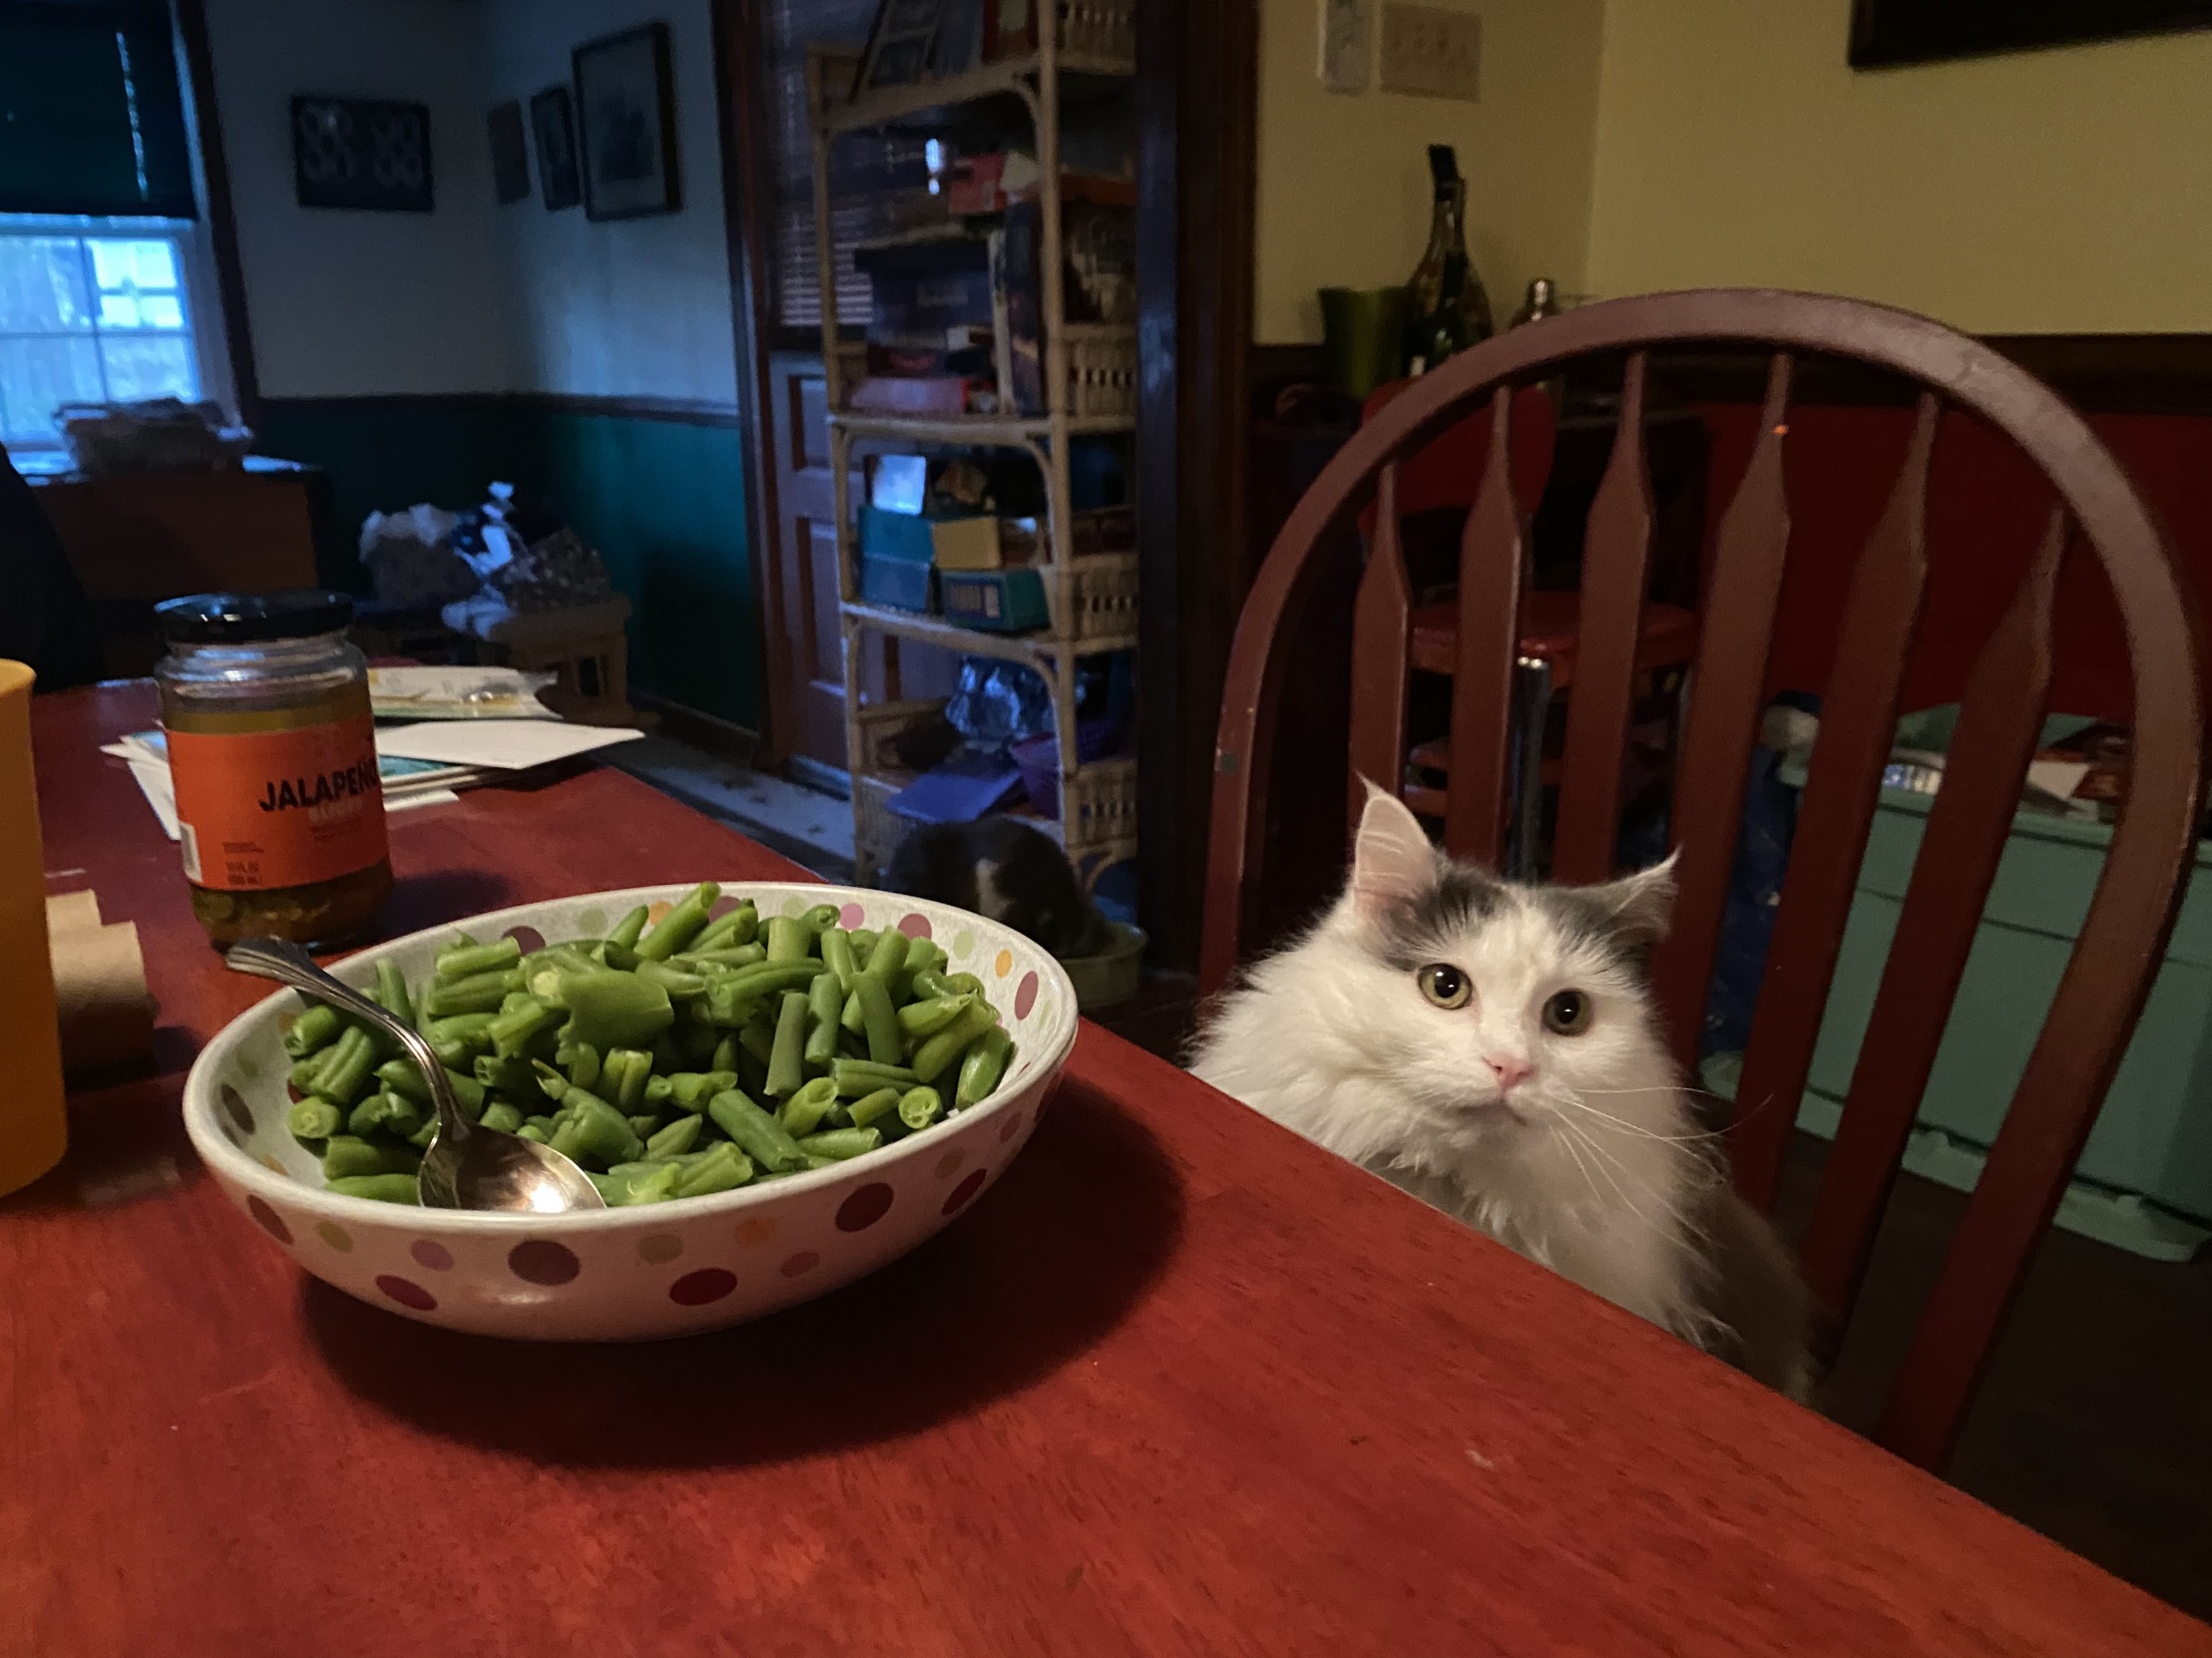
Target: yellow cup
[34,1128]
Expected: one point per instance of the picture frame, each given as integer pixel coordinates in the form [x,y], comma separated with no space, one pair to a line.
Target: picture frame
[553,131]
[902,42]
[626,123]
[509,152]
[1887,34]
[364,153]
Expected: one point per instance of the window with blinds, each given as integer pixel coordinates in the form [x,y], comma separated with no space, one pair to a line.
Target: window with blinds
[868,171]
[92,110]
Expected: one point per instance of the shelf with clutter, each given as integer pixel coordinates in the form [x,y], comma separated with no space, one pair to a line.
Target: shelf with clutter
[981,428]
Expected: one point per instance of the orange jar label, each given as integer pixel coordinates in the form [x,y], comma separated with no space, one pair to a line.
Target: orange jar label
[263,809]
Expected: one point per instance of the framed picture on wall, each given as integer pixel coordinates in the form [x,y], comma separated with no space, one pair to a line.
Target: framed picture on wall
[361,152]
[553,126]
[625,125]
[1886,33]
[510,153]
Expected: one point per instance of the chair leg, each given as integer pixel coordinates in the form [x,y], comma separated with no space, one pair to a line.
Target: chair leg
[1533,687]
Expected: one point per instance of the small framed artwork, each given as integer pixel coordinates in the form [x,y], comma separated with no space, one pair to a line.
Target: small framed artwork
[553,126]
[361,152]
[510,153]
[901,44]
[1889,33]
[625,125]
[1009,28]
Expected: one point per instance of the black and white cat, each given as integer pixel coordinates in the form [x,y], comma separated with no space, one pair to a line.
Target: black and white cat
[1491,1047]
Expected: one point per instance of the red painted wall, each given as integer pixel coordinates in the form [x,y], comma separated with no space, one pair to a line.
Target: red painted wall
[1986,511]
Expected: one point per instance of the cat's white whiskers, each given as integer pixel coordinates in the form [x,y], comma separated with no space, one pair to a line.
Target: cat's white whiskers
[1636,1128]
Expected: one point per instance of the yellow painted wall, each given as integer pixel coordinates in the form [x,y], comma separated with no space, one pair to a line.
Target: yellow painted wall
[2055,192]
[1343,180]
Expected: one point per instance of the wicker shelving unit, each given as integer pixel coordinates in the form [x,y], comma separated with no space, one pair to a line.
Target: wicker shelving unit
[1090,386]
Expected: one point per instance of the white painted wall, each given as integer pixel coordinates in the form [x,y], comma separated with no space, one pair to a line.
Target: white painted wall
[632,307]
[347,303]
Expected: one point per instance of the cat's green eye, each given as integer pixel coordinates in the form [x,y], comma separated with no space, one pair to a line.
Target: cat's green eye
[1445,984]
[1567,1012]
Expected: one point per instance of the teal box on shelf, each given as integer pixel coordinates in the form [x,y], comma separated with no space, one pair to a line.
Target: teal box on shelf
[902,536]
[995,600]
[899,583]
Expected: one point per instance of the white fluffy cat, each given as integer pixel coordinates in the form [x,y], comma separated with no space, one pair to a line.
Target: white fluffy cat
[1491,1047]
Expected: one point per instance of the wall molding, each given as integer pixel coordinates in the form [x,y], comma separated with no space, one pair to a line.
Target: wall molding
[2168,374]
[683,411]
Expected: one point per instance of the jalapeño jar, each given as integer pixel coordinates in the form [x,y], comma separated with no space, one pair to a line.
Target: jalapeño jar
[272,750]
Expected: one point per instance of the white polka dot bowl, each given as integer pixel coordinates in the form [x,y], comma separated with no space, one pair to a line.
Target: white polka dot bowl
[664,1269]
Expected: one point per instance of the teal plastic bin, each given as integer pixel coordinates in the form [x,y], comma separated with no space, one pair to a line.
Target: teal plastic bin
[2145,1180]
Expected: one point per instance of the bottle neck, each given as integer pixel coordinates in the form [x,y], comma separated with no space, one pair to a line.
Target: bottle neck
[1448,219]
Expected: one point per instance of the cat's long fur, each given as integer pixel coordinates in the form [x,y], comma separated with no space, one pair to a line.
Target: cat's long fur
[1592,1165]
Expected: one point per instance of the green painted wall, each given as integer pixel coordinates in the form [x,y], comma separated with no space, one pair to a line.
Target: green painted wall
[664,501]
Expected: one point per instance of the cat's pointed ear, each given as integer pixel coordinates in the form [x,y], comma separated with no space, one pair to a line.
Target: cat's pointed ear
[1641,907]
[1392,859]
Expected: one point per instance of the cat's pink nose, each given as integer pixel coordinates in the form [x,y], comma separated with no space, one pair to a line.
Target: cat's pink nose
[1508,1071]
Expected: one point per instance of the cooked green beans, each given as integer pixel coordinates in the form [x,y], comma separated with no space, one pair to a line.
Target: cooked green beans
[672,1060]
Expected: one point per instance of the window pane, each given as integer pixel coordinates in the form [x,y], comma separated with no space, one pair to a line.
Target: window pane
[156,264]
[122,264]
[42,286]
[118,310]
[148,365]
[160,310]
[37,375]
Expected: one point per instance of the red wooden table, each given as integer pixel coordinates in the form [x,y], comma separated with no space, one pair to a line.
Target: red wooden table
[1180,1382]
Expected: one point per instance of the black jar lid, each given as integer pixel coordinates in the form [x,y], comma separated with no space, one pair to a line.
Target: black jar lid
[248,618]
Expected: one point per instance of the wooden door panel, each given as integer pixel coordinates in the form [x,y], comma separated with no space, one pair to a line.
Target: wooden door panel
[806,595]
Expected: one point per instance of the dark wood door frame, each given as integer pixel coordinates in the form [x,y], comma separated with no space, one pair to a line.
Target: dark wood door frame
[222,232]
[1197,71]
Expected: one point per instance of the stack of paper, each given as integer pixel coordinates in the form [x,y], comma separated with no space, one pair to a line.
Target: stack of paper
[406,782]
[458,694]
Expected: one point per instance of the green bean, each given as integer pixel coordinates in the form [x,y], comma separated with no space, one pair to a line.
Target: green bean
[631,928]
[369,1116]
[675,1140]
[681,985]
[688,1090]
[579,1062]
[885,1045]
[948,1044]
[466,960]
[614,1010]
[787,1057]
[600,1131]
[724,1057]
[402,1116]
[622,1078]
[963,984]
[757,1134]
[420,1139]
[349,1154]
[722,1170]
[858,1076]
[531,1131]
[730,998]
[981,1070]
[838,956]
[312,1119]
[509,1074]
[482,994]
[926,1018]
[788,941]
[852,1019]
[757,1038]
[541,1121]
[464,1033]
[839,1144]
[303,1073]
[730,931]
[405,1077]
[391,992]
[381,1188]
[863,942]
[734,956]
[316,1027]
[888,957]
[501,1117]
[345,1067]
[804,1110]
[691,1046]
[825,1002]
[871,1109]
[925,955]
[919,1108]
[658,1092]
[929,985]
[653,1185]
[680,925]
[514,1029]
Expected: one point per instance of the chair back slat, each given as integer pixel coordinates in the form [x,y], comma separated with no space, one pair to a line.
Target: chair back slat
[1857,730]
[1727,687]
[1617,550]
[1991,746]
[1492,566]
[1379,613]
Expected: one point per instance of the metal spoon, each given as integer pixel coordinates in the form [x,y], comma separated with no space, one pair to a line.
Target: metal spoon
[467,1166]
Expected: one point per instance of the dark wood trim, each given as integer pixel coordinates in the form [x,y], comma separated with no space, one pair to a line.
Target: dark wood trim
[737,88]
[222,230]
[679,411]
[1196,114]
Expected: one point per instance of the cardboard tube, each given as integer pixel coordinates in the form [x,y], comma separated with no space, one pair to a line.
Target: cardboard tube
[106,1015]
[34,1128]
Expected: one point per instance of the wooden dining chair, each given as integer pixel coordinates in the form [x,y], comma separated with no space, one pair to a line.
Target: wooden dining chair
[2123,939]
